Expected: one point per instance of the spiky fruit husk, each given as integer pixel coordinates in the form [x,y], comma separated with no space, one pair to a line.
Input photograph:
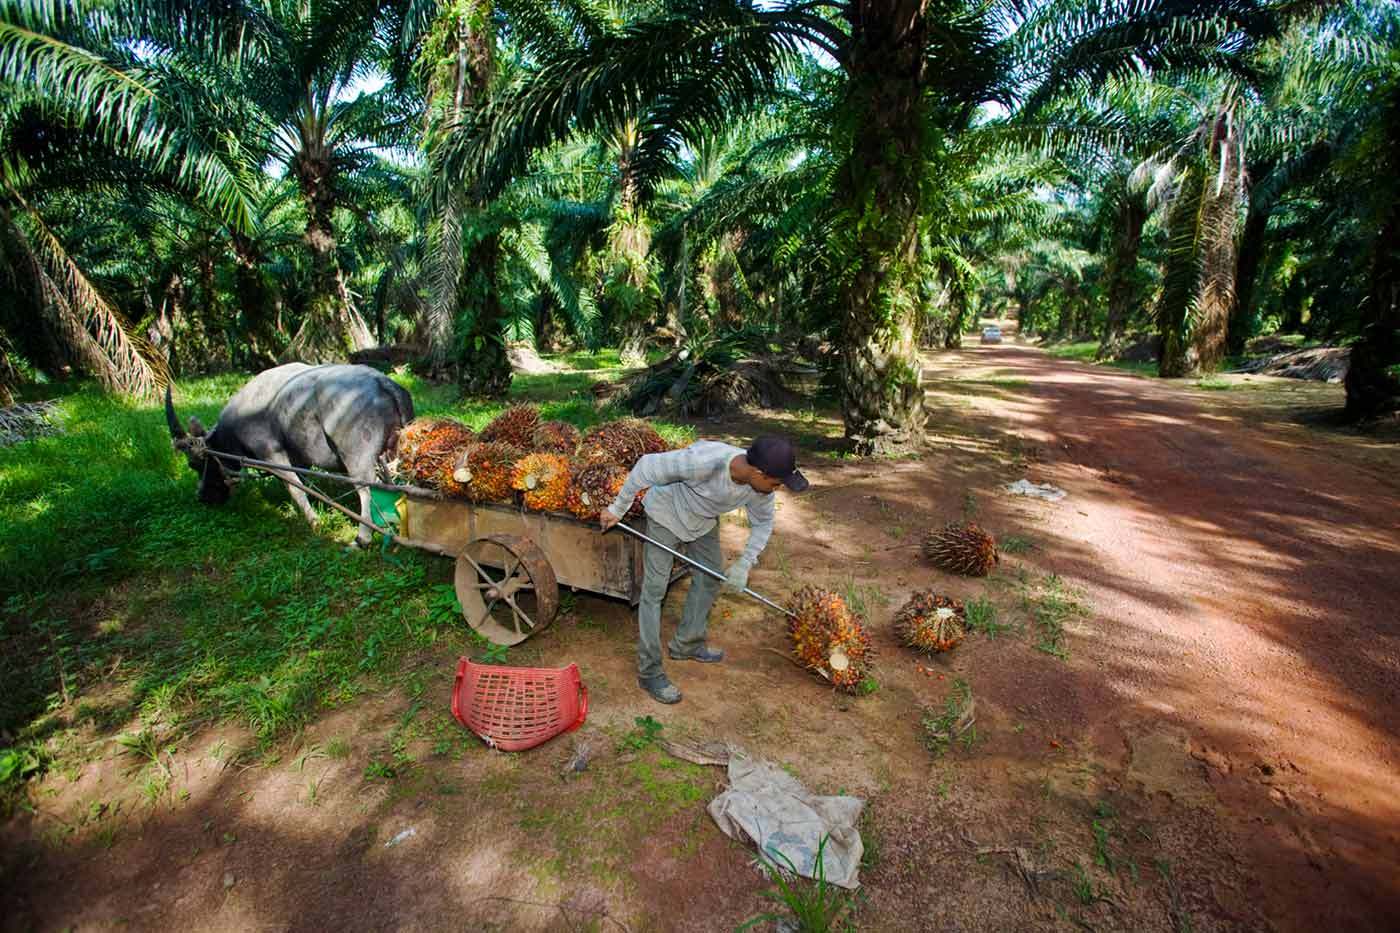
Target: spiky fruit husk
[830,639]
[437,450]
[962,547]
[931,623]
[516,426]
[415,433]
[486,471]
[556,437]
[624,441]
[544,479]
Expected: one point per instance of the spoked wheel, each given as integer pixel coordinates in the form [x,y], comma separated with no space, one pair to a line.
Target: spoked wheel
[506,587]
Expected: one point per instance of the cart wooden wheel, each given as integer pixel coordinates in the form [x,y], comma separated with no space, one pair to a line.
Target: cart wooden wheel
[507,588]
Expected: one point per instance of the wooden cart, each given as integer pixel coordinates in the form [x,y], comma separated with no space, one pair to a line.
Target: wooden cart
[511,563]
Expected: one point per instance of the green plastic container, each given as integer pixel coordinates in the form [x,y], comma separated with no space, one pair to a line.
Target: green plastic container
[384,507]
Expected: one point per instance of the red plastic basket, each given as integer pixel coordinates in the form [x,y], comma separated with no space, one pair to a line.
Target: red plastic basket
[515,708]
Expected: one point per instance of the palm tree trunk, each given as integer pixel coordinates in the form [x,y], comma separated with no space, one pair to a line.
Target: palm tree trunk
[1198,293]
[331,327]
[629,248]
[1127,240]
[952,338]
[480,351]
[1373,375]
[546,326]
[1215,302]
[632,349]
[9,375]
[676,313]
[1244,321]
[258,301]
[879,208]
[485,366]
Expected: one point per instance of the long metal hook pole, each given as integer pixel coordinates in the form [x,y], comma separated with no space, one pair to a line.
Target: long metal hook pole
[702,568]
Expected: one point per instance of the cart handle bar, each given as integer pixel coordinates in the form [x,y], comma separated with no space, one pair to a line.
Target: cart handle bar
[269,466]
[702,568]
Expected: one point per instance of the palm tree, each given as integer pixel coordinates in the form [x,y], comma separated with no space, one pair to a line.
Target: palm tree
[305,60]
[1373,376]
[1198,294]
[68,73]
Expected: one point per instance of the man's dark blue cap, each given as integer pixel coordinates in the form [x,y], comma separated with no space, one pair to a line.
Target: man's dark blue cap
[777,457]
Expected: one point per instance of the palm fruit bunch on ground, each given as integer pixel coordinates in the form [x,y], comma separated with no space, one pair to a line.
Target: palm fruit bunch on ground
[962,547]
[624,441]
[516,425]
[556,437]
[544,479]
[484,471]
[428,451]
[828,638]
[931,623]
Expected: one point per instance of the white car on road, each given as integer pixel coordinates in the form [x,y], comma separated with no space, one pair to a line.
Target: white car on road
[991,334]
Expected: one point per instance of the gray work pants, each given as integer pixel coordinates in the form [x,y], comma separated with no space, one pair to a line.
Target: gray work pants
[695,618]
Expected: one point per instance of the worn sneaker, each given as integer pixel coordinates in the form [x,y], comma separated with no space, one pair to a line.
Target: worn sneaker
[661,690]
[704,654]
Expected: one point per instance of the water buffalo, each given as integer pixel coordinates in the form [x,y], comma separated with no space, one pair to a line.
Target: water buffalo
[333,417]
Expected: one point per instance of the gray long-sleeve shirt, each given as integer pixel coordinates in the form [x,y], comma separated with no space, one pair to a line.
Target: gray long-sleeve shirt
[689,489]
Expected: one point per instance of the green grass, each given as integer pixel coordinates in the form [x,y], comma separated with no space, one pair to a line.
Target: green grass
[607,815]
[982,617]
[815,907]
[1050,604]
[1012,544]
[594,360]
[1084,353]
[950,723]
[127,605]
[863,597]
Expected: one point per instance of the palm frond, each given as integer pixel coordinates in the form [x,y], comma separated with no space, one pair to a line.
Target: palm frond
[693,65]
[91,327]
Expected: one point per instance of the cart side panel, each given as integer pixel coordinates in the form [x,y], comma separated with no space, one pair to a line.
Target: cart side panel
[580,557]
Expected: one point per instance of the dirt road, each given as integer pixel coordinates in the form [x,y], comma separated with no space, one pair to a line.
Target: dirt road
[1244,574]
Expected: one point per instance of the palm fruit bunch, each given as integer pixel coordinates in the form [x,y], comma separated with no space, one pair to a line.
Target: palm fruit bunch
[516,426]
[931,623]
[414,434]
[433,451]
[962,547]
[544,479]
[828,638]
[624,441]
[556,437]
[446,480]
[484,471]
[595,485]
[650,441]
